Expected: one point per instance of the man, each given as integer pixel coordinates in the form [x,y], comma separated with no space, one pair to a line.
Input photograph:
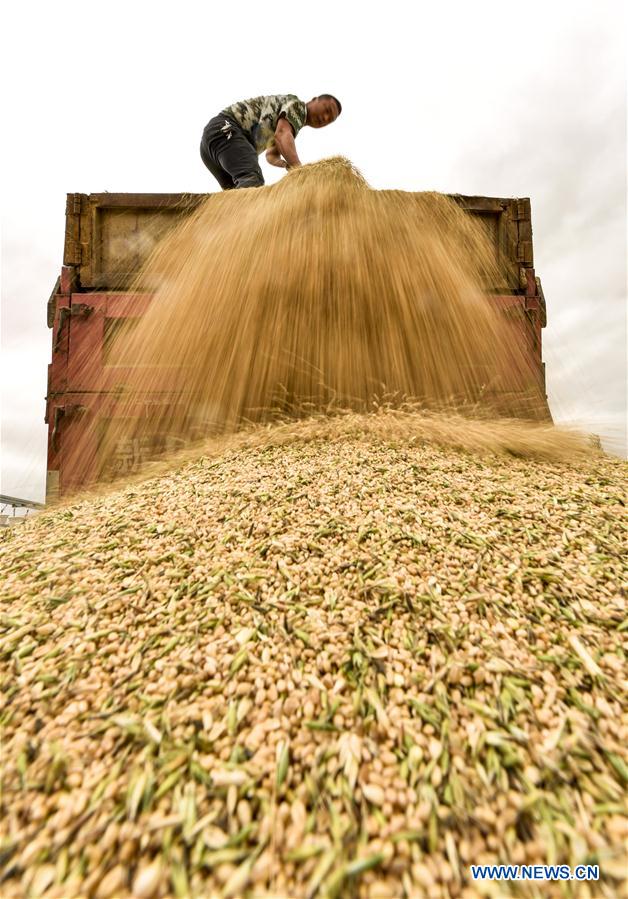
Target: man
[233,140]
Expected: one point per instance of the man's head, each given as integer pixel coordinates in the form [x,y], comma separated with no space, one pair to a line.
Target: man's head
[322,110]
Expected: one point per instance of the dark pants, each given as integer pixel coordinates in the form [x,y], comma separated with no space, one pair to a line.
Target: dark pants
[229,155]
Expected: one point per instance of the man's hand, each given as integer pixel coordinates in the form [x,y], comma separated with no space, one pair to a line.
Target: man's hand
[273,158]
[284,142]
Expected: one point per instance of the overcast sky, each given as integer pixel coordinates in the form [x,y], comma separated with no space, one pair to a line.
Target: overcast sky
[490,98]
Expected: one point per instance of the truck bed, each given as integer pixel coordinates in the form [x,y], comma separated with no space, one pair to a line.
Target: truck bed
[107,239]
[109,236]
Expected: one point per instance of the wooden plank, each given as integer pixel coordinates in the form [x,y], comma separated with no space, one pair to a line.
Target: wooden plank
[525,230]
[71,247]
[504,246]
[146,201]
[524,252]
[481,204]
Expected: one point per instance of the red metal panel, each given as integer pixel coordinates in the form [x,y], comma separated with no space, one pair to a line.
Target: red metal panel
[57,371]
[76,432]
[525,318]
[82,396]
[88,365]
[68,279]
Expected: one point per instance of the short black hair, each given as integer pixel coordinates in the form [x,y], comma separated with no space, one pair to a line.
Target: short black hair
[331,97]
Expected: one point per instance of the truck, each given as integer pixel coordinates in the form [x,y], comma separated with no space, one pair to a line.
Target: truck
[108,236]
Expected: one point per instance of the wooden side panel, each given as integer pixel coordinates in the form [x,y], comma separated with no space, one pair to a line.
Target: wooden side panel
[72,245]
[505,221]
[109,236]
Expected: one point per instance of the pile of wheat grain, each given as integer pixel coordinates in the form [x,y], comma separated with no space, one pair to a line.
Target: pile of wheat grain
[342,658]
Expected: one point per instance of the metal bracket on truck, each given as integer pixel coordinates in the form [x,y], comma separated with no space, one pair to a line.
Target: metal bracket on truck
[76,310]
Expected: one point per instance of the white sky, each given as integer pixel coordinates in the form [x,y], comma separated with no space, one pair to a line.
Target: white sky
[483,97]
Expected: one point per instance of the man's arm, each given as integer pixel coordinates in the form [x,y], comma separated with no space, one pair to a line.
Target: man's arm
[273,157]
[284,141]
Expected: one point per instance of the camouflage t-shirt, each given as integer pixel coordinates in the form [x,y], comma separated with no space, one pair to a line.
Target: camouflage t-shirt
[258,117]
